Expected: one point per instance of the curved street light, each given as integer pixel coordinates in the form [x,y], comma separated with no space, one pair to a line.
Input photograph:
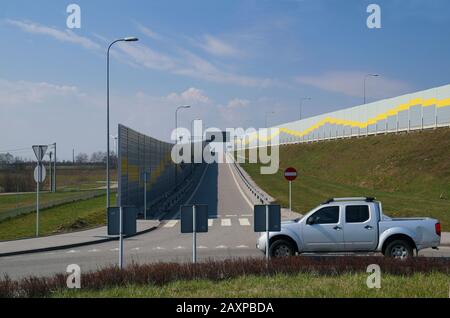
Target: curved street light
[127,39]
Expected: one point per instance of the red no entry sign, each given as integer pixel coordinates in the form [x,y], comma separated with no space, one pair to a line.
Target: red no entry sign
[290,174]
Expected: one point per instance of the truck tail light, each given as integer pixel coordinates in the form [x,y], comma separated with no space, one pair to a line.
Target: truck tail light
[437,226]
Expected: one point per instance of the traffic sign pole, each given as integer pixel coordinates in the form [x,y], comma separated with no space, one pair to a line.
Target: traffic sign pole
[37,202]
[267,233]
[145,195]
[121,239]
[194,236]
[290,195]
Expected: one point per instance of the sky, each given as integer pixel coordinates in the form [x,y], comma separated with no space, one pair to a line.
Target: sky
[233,61]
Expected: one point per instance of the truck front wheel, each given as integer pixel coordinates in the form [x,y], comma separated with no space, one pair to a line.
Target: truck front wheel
[281,248]
[399,249]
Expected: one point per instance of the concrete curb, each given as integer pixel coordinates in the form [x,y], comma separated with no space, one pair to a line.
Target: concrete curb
[67,246]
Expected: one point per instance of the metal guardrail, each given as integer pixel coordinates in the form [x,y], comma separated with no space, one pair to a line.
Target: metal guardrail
[259,195]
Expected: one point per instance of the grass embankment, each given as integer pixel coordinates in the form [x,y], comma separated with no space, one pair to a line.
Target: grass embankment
[300,285]
[408,173]
[60,219]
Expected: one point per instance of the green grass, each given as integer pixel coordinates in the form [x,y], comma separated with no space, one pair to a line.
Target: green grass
[61,219]
[300,285]
[408,173]
[17,201]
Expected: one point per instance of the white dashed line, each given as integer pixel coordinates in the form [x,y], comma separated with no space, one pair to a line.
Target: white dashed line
[179,248]
[210,222]
[171,223]
[226,222]
[158,248]
[94,250]
[221,247]
[244,222]
[136,249]
[202,247]
[71,252]
[114,249]
[242,246]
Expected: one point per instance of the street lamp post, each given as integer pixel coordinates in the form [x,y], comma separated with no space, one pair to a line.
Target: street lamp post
[128,39]
[365,78]
[176,139]
[301,105]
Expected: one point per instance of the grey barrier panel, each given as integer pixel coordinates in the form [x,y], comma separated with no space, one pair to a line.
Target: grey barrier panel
[424,109]
[129,220]
[201,218]
[138,152]
[274,218]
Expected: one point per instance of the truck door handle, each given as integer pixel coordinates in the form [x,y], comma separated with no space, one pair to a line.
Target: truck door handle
[368,227]
[337,228]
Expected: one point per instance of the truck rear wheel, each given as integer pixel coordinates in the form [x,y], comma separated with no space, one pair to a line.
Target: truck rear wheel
[281,248]
[399,249]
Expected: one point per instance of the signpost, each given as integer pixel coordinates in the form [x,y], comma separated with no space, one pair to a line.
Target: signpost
[39,177]
[267,219]
[194,219]
[145,177]
[290,174]
[122,221]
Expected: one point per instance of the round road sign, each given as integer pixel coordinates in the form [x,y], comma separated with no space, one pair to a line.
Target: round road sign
[40,177]
[290,174]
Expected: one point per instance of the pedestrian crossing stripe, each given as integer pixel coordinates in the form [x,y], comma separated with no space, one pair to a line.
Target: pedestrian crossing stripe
[226,222]
[244,222]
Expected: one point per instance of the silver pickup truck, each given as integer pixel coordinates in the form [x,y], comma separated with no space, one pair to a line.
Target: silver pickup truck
[352,225]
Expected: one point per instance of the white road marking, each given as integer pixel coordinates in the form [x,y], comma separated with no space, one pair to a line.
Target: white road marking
[226,222]
[202,247]
[221,247]
[239,187]
[136,249]
[179,248]
[114,249]
[171,223]
[244,222]
[71,252]
[247,215]
[94,250]
[231,215]
[242,246]
[210,222]
[158,248]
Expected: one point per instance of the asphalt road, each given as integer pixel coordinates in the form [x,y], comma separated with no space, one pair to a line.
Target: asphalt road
[230,235]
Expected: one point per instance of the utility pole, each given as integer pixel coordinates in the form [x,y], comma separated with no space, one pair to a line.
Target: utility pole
[73,156]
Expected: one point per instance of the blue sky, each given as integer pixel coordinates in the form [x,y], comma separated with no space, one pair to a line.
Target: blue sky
[233,61]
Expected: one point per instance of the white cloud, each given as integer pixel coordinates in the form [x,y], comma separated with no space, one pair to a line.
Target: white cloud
[191,95]
[64,36]
[238,103]
[218,47]
[21,92]
[148,32]
[147,57]
[351,84]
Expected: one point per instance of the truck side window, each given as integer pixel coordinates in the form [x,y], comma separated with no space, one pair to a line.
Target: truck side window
[356,213]
[327,215]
